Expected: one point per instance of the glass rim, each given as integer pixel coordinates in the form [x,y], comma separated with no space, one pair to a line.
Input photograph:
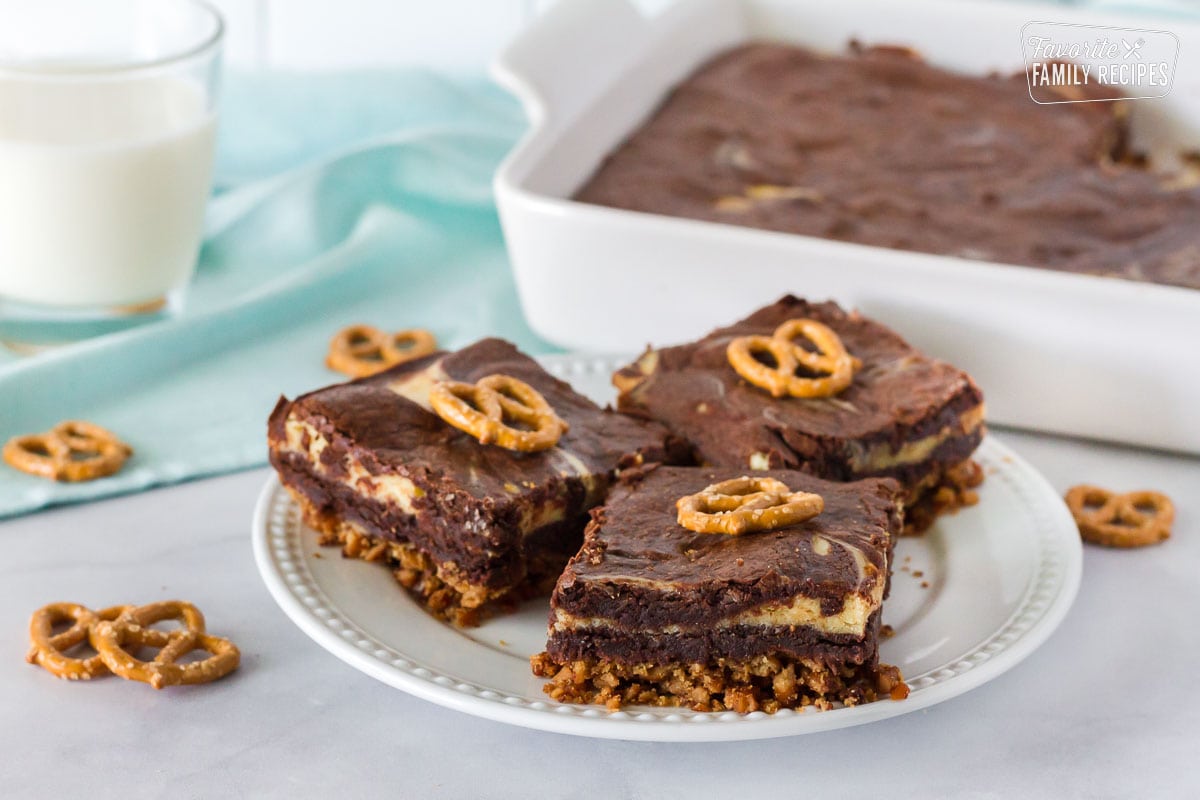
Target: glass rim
[66,70]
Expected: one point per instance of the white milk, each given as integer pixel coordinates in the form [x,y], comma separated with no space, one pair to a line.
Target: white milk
[102,188]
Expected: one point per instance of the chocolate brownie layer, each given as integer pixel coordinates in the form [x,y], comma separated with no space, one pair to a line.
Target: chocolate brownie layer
[733,642]
[877,147]
[372,453]
[329,505]
[905,415]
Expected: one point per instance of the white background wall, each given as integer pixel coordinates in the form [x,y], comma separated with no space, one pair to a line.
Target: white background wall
[459,35]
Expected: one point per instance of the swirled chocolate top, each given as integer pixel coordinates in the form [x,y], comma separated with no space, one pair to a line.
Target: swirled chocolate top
[386,423]
[879,148]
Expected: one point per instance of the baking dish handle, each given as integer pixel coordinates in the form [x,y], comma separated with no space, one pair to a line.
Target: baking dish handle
[569,55]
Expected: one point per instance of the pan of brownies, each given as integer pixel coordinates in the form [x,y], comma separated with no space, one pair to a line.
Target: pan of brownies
[685,169]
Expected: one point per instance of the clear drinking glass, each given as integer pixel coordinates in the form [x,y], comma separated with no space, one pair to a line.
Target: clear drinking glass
[107,134]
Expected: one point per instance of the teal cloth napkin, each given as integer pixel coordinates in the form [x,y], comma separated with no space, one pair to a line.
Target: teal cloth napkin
[339,199]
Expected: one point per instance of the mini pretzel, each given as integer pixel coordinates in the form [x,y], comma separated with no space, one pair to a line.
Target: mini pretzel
[132,628]
[361,350]
[740,505]
[70,451]
[1133,519]
[49,649]
[830,363]
[481,408]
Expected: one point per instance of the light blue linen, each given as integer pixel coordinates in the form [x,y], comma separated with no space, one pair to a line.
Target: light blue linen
[341,199]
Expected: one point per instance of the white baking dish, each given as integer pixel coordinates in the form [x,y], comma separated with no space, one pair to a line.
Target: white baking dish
[1073,354]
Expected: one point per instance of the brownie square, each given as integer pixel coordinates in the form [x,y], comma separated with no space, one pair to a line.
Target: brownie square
[650,612]
[905,415]
[462,523]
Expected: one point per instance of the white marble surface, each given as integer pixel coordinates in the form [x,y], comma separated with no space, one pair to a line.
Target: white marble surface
[1109,707]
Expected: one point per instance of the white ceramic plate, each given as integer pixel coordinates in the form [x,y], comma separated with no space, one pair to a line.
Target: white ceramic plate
[995,580]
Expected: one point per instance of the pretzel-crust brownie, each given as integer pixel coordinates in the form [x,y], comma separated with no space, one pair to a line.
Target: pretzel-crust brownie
[467,527]
[651,613]
[905,415]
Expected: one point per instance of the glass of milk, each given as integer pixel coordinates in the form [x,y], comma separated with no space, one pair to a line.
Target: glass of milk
[107,131]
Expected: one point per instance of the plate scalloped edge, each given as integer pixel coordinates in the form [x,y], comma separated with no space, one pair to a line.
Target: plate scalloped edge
[1047,598]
